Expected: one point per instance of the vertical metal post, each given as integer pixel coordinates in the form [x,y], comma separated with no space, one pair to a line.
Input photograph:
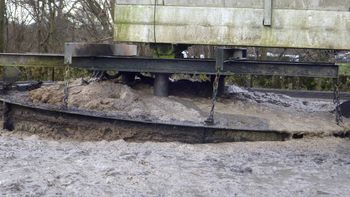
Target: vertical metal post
[7,122]
[219,66]
[161,85]
[221,56]
[53,74]
[221,88]
[128,78]
[221,84]
[267,12]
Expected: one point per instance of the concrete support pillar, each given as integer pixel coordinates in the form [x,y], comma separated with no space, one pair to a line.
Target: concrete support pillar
[161,85]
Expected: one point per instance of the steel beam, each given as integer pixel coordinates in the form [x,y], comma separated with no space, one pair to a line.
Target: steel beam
[198,66]
[188,66]
[73,49]
[86,50]
[326,70]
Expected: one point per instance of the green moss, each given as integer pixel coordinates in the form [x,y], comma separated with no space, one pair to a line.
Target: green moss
[122,32]
[344,69]
[164,51]
[128,16]
[40,62]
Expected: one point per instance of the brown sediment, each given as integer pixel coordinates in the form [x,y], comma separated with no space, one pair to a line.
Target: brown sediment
[240,109]
[113,97]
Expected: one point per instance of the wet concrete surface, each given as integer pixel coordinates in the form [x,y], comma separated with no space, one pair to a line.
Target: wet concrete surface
[34,166]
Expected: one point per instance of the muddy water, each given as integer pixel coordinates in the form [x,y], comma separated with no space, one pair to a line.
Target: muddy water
[30,166]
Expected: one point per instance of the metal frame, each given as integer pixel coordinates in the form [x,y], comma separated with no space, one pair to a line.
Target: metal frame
[228,62]
[197,66]
[188,66]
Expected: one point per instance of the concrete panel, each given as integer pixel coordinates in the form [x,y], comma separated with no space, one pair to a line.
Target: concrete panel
[233,26]
[139,2]
[335,5]
[196,3]
[216,3]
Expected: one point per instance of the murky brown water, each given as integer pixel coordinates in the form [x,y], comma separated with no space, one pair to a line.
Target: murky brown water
[30,166]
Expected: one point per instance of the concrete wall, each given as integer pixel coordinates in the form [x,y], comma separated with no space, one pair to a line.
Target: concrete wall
[336,5]
[294,23]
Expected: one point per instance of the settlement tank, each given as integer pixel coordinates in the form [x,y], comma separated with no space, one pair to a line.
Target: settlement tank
[319,24]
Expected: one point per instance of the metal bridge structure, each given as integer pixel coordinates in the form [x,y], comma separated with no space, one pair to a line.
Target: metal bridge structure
[310,24]
[227,24]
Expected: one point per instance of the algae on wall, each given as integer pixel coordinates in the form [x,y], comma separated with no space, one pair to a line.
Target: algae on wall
[295,24]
